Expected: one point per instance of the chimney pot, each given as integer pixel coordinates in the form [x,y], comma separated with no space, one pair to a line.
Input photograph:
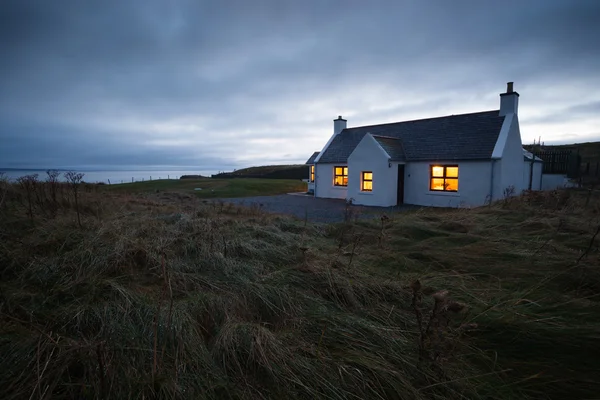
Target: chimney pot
[509,87]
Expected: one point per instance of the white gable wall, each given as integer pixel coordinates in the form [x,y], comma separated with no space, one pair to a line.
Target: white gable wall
[473,184]
[369,156]
[509,154]
[324,182]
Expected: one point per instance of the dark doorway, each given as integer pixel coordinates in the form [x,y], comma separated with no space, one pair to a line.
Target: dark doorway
[400,184]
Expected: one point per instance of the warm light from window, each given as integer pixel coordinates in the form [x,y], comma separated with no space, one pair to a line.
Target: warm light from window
[437,184]
[444,178]
[340,176]
[312,173]
[452,172]
[437,171]
[367,181]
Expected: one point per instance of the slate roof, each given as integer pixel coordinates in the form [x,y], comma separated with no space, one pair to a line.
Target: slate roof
[456,137]
[311,160]
[392,146]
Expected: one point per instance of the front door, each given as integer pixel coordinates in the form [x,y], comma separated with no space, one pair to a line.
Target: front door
[400,184]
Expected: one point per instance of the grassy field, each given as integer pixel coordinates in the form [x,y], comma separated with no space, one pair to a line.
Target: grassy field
[212,188]
[110,294]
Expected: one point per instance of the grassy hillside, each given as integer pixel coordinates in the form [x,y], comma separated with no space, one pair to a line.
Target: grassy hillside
[266,169]
[589,151]
[146,297]
[295,171]
[211,188]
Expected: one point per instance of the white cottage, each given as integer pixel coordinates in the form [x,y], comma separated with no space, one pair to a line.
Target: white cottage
[458,160]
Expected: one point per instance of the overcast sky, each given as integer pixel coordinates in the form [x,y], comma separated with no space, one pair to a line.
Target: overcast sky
[215,85]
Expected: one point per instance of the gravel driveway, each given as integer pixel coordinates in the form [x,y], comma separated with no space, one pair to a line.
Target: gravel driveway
[315,209]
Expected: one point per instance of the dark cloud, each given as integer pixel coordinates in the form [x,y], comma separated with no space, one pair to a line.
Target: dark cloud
[234,83]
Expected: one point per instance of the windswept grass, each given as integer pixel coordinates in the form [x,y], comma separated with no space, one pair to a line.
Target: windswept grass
[146,298]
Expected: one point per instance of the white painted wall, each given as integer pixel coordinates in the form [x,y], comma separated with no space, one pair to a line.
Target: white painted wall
[324,182]
[509,103]
[555,181]
[509,152]
[369,156]
[339,125]
[473,185]
[536,178]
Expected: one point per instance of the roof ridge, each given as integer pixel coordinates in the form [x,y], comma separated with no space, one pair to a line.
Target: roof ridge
[385,137]
[422,119]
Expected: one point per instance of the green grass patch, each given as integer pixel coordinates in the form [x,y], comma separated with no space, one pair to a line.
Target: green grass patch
[214,188]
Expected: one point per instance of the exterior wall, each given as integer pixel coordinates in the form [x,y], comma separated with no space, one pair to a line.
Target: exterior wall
[324,182]
[369,156]
[473,184]
[555,181]
[509,152]
[536,177]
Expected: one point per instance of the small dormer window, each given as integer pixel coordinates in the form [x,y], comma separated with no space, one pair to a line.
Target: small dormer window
[340,176]
[444,178]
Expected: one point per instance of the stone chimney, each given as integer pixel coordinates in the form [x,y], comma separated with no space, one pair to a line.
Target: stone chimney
[339,125]
[509,101]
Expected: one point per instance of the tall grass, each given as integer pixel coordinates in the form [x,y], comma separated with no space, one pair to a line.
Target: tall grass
[144,297]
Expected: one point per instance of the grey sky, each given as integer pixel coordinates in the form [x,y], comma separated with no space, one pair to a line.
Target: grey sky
[224,84]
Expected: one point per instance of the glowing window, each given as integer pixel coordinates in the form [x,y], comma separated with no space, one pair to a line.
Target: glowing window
[340,176]
[312,173]
[367,181]
[444,178]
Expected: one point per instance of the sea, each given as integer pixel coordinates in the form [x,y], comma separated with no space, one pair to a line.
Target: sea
[108,176]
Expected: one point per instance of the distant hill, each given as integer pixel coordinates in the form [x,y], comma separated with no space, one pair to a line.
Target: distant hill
[293,171]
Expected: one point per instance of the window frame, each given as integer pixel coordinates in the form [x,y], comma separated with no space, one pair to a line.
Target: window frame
[444,176]
[335,176]
[363,180]
[312,173]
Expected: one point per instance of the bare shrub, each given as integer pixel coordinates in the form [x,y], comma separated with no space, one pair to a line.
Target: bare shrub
[508,193]
[4,186]
[53,183]
[74,179]
[435,340]
[348,211]
[28,184]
